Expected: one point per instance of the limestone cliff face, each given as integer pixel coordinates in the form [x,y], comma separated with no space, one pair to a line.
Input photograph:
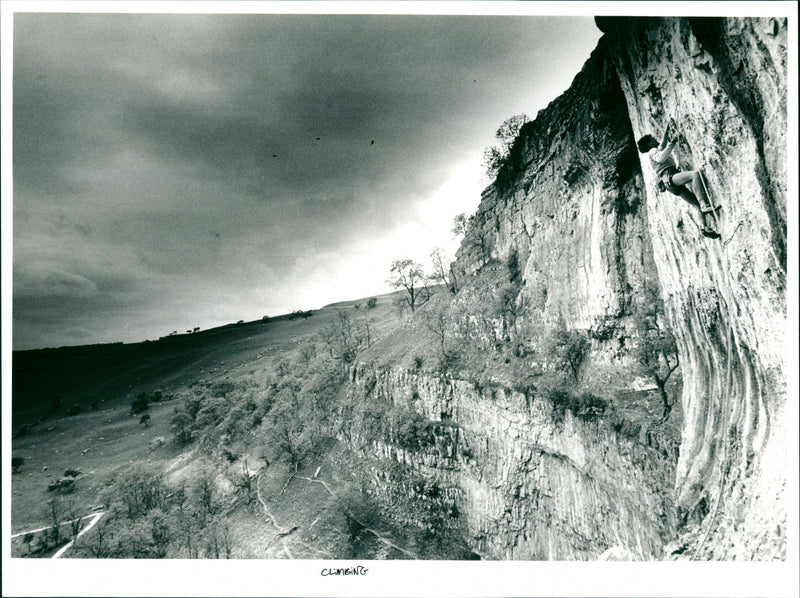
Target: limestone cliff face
[592,231]
[530,486]
[572,206]
[724,82]
[594,238]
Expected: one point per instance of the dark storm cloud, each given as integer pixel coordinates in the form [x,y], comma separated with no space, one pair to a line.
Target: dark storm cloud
[173,163]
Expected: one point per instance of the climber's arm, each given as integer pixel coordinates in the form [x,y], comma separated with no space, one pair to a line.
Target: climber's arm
[665,148]
[665,138]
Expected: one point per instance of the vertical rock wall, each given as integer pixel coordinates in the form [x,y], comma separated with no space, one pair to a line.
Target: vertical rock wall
[531,487]
[592,232]
[724,82]
[572,205]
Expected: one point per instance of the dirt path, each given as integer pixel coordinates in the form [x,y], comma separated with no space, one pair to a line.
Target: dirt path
[282,533]
[41,529]
[94,516]
[92,523]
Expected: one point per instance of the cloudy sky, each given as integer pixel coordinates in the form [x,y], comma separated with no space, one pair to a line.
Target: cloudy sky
[173,171]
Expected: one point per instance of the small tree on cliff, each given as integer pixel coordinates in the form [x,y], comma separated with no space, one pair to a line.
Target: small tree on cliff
[495,156]
[656,351]
[566,349]
[460,225]
[409,275]
[475,237]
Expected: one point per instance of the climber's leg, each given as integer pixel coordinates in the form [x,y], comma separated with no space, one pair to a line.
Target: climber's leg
[709,221]
[686,194]
[694,177]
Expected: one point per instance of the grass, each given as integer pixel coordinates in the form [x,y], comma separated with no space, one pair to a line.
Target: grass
[101,442]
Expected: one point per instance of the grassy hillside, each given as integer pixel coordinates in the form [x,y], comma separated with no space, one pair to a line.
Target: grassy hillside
[309,508]
[47,382]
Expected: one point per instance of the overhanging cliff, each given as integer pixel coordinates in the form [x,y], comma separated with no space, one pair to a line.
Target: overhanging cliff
[593,232]
[574,242]
[724,82]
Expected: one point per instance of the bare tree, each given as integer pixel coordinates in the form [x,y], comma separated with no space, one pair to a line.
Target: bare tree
[55,514]
[438,321]
[242,479]
[441,270]
[409,275]
[75,521]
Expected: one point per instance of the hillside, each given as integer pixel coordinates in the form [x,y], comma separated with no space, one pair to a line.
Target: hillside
[600,381]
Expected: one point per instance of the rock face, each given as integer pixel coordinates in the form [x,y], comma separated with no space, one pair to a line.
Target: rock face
[575,210]
[594,238]
[724,82]
[572,205]
[531,486]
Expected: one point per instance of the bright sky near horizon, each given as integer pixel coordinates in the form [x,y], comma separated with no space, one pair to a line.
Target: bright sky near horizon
[183,170]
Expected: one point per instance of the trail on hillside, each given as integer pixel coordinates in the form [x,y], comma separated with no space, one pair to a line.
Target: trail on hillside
[282,532]
[69,545]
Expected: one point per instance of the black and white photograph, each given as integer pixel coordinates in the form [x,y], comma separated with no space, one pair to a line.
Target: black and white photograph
[356,297]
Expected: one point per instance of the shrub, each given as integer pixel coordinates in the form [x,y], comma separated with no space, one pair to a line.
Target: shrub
[17,463]
[62,486]
[590,406]
[145,419]
[567,349]
[140,403]
[411,429]
[372,302]
[512,263]
[585,406]
[181,425]
[74,410]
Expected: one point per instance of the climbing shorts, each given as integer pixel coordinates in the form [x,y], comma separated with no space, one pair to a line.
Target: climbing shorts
[665,181]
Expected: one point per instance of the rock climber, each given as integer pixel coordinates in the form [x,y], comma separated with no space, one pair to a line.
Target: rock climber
[673,179]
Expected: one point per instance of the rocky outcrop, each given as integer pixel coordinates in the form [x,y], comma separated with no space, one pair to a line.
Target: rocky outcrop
[571,203]
[532,486]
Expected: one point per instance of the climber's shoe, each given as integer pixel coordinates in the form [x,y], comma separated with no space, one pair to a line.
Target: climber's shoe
[711,209]
[710,233]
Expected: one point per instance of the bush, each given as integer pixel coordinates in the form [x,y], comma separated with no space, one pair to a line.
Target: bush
[17,463]
[140,403]
[74,410]
[585,406]
[181,425]
[566,349]
[372,302]
[411,429]
[62,486]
